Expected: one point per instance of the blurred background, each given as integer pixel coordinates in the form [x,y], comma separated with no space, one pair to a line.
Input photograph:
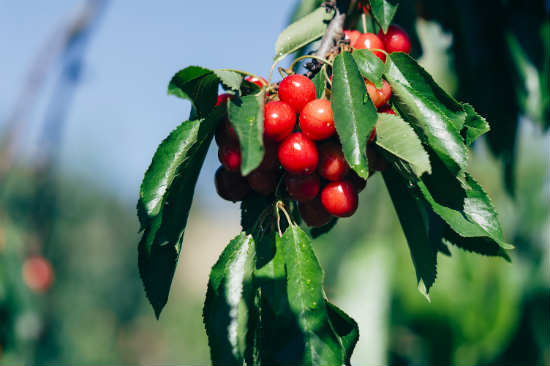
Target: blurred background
[83,106]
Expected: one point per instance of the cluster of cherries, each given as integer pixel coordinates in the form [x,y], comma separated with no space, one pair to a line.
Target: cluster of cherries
[314,170]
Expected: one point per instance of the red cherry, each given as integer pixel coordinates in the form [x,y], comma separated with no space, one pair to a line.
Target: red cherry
[37,273]
[225,134]
[297,90]
[376,161]
[230,186]
[270,160]
[316,120]
[222,98]
[396,40]
[340,198]
[298,154]
[313,213]
[352,35]
[370,41]
[332,163]
[261,82]
[279,120]
[356,181]
[372,136]
[303,188]
[262,182]
[230,157]
[386,109]
[379,96]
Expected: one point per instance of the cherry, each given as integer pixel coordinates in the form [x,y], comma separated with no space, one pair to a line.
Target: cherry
[340,198]
[372,135]
[222,98]
[298,154]
[262,182]
[332,163]
[37,273]
[316,120]
[225,134]
[297,90]
[270,161]
[230,157]
[396,40]
[358,183]
[279,120]
[370,41]
[376,162]
[379,96]
[313,213]
[352,35]
[230,186]
[261,82]
[303,188]
[386,109]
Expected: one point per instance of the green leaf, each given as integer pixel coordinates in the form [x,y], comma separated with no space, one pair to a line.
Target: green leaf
[432,125]
[415,220]
[354,113]
[303,8]
[302,32]
[383,11]
[230,79]
[320,82]
[321,345]
[166,194]
[198,85]
[246,114]
[402,68]
[345,327]
[474,126]
[370,66]
[229,298]
[398,138]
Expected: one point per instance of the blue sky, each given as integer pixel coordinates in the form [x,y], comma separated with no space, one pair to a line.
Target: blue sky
[121,111]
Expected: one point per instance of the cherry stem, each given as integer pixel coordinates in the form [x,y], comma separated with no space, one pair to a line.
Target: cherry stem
[364,22]
[281,206]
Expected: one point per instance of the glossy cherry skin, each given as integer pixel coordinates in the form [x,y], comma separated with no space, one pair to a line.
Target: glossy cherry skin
[225,134]
[279,120]
[379,96]
[230,157]
[297,90]
[370,41]
[316,120]
[231,186]
[396,40]
[222,98]
[340,198]
[262,181]
[386,109]
[260,82]
[303,188]
[270,160]
[353,36]
[313,213]
[298,154]
[37,273]
[332,163]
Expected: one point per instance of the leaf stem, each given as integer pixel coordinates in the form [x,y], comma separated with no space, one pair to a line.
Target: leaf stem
[364,22]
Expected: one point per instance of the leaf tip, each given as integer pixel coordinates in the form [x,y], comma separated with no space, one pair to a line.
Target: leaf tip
[423,290]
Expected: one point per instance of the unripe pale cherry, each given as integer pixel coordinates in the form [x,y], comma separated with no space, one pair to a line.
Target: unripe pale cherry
[379,96]
[340,198]
[303,188]
[370,41]
[316,120]
[230,186]
[297,90]
[332,163]
[260,82]
[396,40]
[230,157]
[353,36]
[262,181]
[313,213]
[298,154]
[279,120]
